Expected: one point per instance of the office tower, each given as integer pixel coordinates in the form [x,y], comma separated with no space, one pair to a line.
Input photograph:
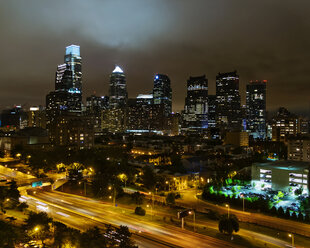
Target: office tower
[285,124]
[228,101]
[195,115]
[212,111]
[144,116]
[118,90]
[13,118]
[73,131]
[298,148]
[95,105]
[36,117]
[162,92]
[256,109]
[64,105]
[67,96]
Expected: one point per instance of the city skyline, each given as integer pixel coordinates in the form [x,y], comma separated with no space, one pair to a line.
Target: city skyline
[200,47]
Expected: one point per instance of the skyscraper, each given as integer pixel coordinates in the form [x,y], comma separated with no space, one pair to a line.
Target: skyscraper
[228,101]
[67,96]
[256,108]
[118,91]
[64,105]
[195,115]
[212,111]
[162,92]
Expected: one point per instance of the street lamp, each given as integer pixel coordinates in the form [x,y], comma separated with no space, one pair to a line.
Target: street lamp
[150,206]
[227,210]
[167,182]
[114,194]
[291,235]
[194,217]
[242,196]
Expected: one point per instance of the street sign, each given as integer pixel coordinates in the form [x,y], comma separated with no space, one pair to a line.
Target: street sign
[36,184]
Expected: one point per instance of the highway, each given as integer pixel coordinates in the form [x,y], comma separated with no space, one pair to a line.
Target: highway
[190,200]
[83,213]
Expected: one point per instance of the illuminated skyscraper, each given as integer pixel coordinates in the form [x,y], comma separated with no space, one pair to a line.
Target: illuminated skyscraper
[162,92]
[228,101]
[67,96]
[118,91]
[256,108]
[195,116]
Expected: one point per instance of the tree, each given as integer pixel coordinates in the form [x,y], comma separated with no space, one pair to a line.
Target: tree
[298,191]
[94,238]
[38,226]
[64,235]
[228,225]
[13,194]
[22,206]
[300,216]
[7,235]
[124,236]
[137,197]
[75,171]
[140,211]
[170,199]
[280,212]
[148,177]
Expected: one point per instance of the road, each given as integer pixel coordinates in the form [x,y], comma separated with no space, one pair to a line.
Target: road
[82,213]
[189,199]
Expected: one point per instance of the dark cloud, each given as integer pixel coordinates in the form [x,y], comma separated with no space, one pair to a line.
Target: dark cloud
[261,39]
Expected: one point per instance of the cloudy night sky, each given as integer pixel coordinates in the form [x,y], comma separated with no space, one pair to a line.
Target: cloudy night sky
[181,38]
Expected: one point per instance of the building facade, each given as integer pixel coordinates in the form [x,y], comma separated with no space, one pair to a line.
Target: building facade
[228,101]
[195,115]
[118,90]
[281,175]
[67,96]
[256,109]
[162,92]
[298,148]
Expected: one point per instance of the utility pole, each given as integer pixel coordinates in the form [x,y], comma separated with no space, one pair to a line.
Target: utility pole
[85,190]
[114,195]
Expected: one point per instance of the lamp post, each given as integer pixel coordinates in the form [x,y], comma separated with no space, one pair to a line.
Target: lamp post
[114,194]
[194,218]
[150,206]
[167,182]
[242,196]
[291,235]
[227,210]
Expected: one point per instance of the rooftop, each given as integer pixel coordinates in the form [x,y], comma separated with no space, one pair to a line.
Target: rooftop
[285,165]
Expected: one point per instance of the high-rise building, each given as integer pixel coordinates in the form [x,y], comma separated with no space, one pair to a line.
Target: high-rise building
[95,105]
[66,125]
[212,111]
[285,124]
[228,101]
[256,109]
[162,92]
[195,115]
[13,118]
[144,116]
[298,148]
[67,96]
[118,90]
